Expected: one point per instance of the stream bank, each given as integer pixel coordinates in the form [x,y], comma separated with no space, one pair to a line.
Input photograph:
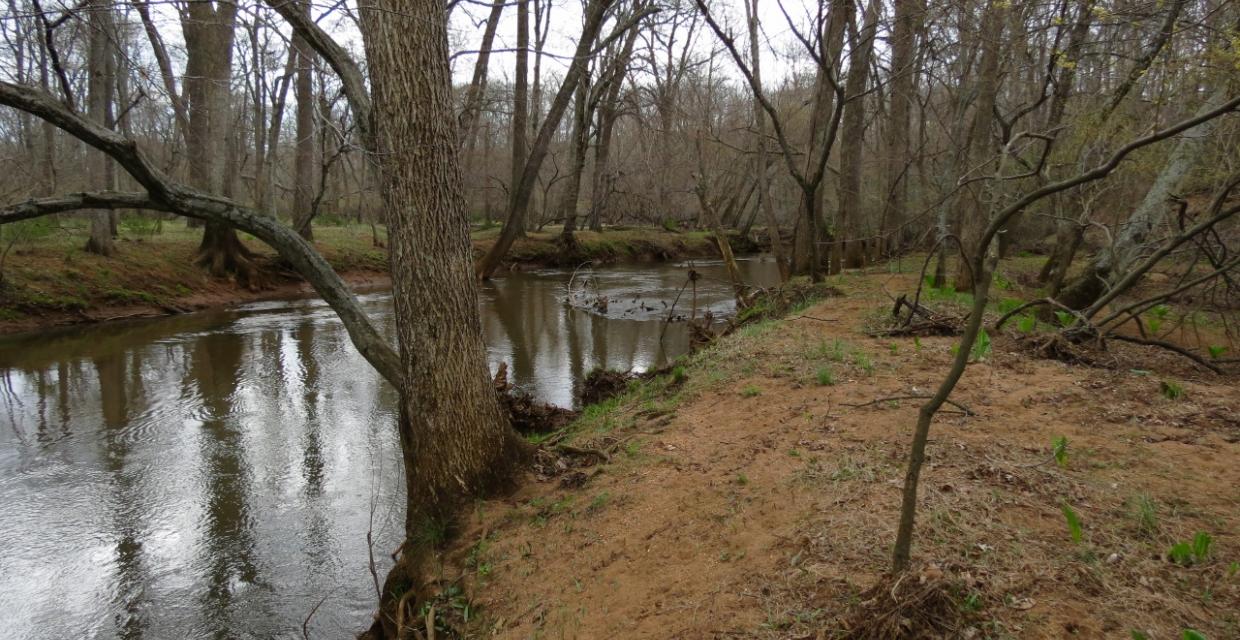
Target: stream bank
[52,282]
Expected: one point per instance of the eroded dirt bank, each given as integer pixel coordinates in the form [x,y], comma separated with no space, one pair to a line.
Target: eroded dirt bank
[744,497]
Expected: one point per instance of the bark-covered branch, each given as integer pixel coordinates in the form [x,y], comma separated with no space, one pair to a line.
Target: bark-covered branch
[166,195]
[351,78]
[39,207]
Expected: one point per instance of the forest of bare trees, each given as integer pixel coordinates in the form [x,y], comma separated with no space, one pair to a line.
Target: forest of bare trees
[1097,135]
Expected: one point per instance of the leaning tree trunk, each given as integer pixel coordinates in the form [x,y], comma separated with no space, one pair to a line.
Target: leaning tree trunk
[455,439]
[521,191]
[1130,243]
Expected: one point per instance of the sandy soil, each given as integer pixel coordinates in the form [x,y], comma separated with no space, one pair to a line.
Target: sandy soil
[752,501]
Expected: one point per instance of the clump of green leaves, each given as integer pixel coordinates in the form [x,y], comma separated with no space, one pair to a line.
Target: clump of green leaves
[825,377]
[750,391]
[1026,324]
[1059,449]
[1065,318]
[1196,551]
[1172,390]
[1074,523]
[1216,351]
[1157,317]
[1008,305]
[679,374]
[981,347]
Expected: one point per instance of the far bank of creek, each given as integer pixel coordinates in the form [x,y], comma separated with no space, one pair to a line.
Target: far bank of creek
[214,475]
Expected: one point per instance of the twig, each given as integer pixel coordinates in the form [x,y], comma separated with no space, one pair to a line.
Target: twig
[1170,347]
[570,449]
[967,411]
[305,624]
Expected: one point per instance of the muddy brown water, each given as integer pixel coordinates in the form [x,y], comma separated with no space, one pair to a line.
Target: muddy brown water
[214,475]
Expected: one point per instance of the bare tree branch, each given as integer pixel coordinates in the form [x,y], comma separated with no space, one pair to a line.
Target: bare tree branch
[167,195]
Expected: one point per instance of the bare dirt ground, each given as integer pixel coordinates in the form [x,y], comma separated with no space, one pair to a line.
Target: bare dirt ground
[744,497]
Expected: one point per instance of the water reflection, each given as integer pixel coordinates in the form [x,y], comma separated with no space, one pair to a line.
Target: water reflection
[215,474]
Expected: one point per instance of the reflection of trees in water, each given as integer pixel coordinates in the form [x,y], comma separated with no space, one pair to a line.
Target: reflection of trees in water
[215,365]
[549,346]
[114,391]
[318,535]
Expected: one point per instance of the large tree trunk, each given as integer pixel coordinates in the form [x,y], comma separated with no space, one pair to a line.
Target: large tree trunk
[100,86]
[455,439]
[981,149]
[209,33]
[520,116]
[909,15]
[823,122]
[304,154]
[759,116]
[608,113]
[852,142]
[580,141]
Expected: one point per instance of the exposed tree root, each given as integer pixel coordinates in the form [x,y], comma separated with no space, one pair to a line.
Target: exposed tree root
[925,604]
[1057,347]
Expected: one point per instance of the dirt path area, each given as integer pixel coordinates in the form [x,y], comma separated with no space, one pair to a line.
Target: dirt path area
[744,497]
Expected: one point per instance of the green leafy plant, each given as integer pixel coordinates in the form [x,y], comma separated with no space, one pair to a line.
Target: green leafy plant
[1196,551]
[679,374]
[825,377]
[1001,282]
[1065,318]
[1172,390]
[1217,351]
[1074,523]
[1026,324]
[1158,316]
[750,391]
[1008,305]
[981,347]
[1192,634]
[1059,449]
[917,344]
